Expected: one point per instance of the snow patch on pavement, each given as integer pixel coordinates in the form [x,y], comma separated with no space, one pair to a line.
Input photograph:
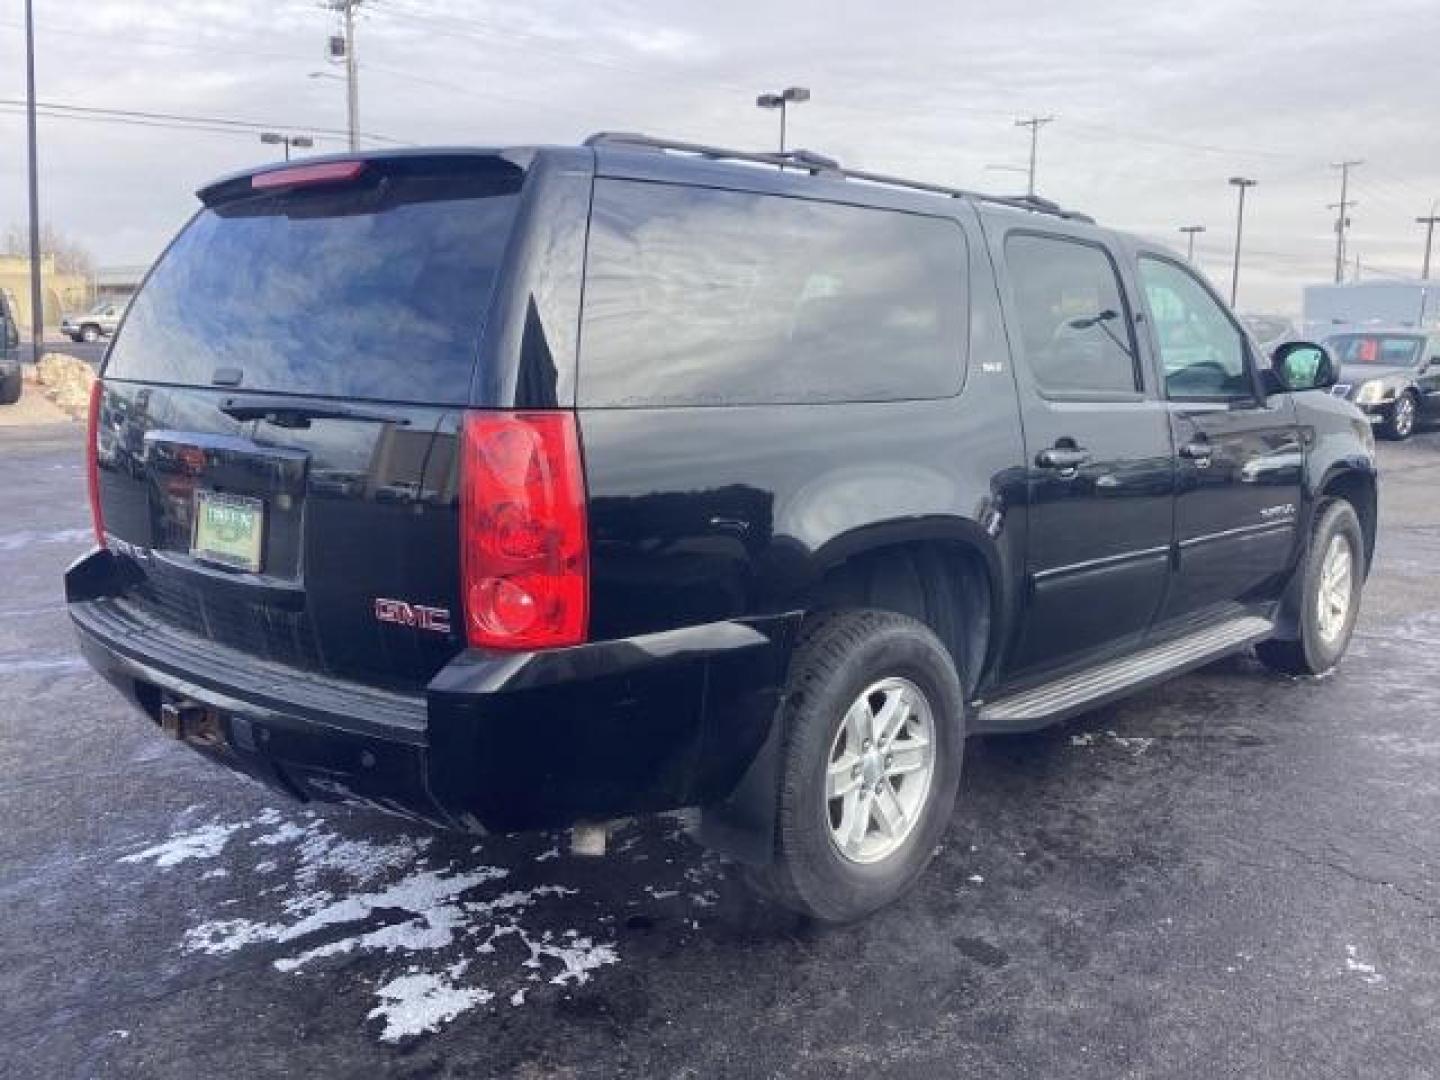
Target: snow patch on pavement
[335,896]
[420,1001]
[206,842]
[1366,971]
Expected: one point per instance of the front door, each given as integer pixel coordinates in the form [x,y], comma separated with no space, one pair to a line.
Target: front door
[1100,465]
[1239,456]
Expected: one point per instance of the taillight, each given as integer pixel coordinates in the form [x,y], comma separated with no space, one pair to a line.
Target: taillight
[92,461]
[523,546]
[323,172]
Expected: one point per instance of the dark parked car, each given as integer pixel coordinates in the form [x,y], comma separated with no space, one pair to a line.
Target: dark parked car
[11,377]
[1392,375]
[819,473]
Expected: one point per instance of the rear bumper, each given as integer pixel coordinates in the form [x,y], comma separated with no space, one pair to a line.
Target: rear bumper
[497,742]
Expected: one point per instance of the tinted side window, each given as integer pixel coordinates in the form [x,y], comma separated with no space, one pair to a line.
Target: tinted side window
[1073,324]
[695,296]
[1202,350]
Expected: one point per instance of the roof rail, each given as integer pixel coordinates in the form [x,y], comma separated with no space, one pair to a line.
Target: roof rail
[819,165]
[810,162]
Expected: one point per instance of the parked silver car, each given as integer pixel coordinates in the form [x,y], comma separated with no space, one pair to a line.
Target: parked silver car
[100,321]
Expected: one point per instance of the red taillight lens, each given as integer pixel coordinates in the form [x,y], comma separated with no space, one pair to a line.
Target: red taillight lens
[524,550]
[92,460]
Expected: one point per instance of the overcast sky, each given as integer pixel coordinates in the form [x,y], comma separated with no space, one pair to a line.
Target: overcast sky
[1156,104]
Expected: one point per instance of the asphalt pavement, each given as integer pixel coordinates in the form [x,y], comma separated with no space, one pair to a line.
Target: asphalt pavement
[90,352]
[1233,875]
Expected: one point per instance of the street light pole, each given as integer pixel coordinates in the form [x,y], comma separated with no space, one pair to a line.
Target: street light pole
[1190,231]
[1242,183]
[790,95]
[1034,123]
[37,303]
[274,138]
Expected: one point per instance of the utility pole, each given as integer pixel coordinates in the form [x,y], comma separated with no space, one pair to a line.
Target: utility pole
[346,8]
[1034,123]
[1242,183]
[37,303]
[1190,231]
[1342,215]
[1429,223]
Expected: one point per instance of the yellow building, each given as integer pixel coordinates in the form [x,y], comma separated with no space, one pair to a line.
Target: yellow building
[59,292]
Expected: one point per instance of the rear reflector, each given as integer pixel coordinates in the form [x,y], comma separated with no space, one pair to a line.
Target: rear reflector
[92,460]
[323,172]
[524,548]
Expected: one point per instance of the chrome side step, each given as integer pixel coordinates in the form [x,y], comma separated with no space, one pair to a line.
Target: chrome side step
[1045,704]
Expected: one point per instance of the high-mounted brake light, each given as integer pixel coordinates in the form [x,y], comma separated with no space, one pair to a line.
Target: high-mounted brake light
[92,460]
[524,549]
[322,172]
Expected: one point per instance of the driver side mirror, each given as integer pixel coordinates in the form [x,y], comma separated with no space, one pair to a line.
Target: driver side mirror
[1303,365]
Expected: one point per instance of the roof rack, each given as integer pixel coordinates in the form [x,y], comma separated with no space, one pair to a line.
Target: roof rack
[819,165]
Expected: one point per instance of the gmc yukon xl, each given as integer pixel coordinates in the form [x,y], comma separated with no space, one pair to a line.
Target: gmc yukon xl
[532,488]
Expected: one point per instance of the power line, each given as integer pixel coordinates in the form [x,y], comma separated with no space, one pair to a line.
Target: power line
[180,121]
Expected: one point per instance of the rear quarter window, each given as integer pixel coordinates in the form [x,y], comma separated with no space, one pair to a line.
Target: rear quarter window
[696,296]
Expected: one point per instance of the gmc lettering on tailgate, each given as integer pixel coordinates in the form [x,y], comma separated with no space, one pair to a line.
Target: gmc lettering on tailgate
[436,620]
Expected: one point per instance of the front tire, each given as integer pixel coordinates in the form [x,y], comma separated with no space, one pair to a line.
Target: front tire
[1401,424]
[1333,576]
[873,741]
[90,334]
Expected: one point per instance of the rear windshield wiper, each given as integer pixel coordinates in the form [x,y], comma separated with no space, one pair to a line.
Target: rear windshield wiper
[298,412]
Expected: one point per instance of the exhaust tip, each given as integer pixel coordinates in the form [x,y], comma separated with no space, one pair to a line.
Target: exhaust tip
[589,839]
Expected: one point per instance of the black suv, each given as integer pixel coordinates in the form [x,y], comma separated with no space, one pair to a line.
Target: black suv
[515,489]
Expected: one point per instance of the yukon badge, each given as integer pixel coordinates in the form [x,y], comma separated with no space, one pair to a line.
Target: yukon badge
[434,619]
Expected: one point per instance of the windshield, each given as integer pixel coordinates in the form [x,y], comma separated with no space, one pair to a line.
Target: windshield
[1385,350]
[375,290]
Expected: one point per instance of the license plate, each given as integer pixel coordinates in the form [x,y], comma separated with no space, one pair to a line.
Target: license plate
[228,530]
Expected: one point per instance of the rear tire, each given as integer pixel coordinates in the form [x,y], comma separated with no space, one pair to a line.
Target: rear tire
[11,388]
[1401,424]
[873,742]
[1333,577]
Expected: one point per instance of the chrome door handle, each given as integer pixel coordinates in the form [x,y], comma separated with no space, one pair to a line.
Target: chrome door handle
[1064,458]
[1199,451]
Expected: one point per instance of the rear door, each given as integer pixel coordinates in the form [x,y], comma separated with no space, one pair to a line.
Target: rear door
[278,428]
[1100,465]
[1239,456]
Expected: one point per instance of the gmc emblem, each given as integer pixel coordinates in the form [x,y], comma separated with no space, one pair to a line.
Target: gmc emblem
[418,616]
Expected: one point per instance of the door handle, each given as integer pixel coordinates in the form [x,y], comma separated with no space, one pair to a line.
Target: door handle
[1064,458]
[1199,451]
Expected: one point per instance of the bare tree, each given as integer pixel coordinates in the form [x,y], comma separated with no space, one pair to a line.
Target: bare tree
[71,256]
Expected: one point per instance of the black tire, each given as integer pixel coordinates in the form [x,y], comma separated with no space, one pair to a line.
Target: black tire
[89,333]
[840,656]
[1312,653]
[11,387]
[1400,424]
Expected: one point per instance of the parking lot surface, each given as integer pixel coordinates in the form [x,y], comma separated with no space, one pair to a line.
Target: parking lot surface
[1231,875]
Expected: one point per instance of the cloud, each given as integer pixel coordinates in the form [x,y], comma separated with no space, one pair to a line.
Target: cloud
[1156,104]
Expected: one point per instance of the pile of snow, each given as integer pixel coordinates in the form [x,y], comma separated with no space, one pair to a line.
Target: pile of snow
[66,381]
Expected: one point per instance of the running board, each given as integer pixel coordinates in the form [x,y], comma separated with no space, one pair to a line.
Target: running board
[1052,701]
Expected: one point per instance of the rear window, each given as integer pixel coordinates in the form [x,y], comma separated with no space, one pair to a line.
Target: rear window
[374,290]
[1392,350]
[695,296]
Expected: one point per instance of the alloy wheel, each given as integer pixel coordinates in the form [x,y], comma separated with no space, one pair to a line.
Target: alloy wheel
[1337,587]
[882,762]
